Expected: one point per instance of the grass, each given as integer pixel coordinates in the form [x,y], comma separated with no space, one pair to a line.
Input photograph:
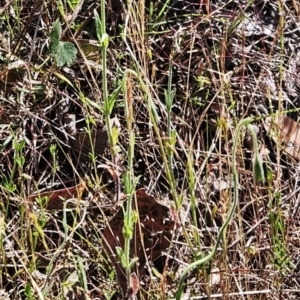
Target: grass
[170,97]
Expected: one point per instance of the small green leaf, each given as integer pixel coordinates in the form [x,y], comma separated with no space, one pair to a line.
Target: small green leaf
[91,120]
[259,175]
[133,261]
[5,143]
[74,3]
[103,37]
[55,36]
[109,105]
[98,25]
[90,102]
[104,40]
[269,175]
[115,135]
[121,256]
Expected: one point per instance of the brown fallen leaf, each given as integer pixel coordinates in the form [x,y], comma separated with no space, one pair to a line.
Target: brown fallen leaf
[134,286]
[55,198]
[151,237]
[286,133]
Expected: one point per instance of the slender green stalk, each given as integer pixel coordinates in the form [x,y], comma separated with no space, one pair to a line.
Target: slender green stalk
[104,52]
[155,120]
[90,122]
[103,41]
[207,258]
[104,44]
[129,177]
[171,134]
[192,187]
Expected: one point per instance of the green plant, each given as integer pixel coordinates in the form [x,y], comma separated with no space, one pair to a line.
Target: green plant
[129,179]
[29,293]
[258,167]
[73,3]
[64,53]
[53,149]
[19,159]
[109,100]
[281,258]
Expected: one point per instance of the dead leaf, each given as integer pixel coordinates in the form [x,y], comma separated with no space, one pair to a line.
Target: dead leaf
[55,198]
[151,237]
[286,133]
[134,286]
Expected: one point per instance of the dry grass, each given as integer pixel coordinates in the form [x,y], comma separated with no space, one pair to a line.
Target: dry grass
[201,66]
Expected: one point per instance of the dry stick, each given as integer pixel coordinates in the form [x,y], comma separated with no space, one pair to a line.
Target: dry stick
[73,17]
[23,33]
[5,7]
[35,33]
[297,10]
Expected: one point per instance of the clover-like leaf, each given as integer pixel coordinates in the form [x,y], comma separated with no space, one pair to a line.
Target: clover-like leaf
[65,54]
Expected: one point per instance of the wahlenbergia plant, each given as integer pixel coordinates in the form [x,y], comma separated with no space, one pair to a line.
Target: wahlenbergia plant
[258,176]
